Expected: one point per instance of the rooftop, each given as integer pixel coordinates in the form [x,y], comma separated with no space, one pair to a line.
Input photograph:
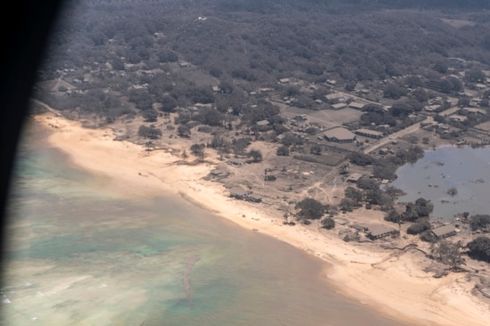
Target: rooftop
[444,230]
[339,133]
[369,132]
[376,230]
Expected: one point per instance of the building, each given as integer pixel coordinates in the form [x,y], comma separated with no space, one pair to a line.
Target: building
[357,105]
[354,177]
[263,123]
[336,97]
[55,85]
[369,133]
[339,135]
[184,64]
[458,118]
[339,106]
[444,231]
[379,231]
[474,111]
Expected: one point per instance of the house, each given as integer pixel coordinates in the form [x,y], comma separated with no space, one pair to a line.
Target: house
[433,108]
[354,177]
[216,89]
[444,231]
[474,111]
[369,133]
[379,231]
[263,123]
[336,97]
[219,173]
[55,85]
[339,135]
[357,105]
[339,106]
[458,118]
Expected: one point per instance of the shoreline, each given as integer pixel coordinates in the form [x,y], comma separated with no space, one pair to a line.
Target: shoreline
[392,285]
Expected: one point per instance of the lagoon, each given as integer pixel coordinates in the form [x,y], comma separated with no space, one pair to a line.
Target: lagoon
[465,169]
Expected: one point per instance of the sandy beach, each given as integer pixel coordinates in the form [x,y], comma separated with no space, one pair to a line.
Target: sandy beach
[394,285]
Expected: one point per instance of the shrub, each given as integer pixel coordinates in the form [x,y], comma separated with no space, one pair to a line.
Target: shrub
[316,149]
[367,183]
[479,222]
[168,103]
[428,236]
[149,132]
[361,159]
[393,216]
[310,208]
[255,155]
[210,117]
[480,249]
[184,131]
[447,253]
[167,56]
[347,205]
[418,227]
[291,139]
[354,194]
[394,91]
[328,223]
[198,150]
[282,151]
[452,191]
[150,115]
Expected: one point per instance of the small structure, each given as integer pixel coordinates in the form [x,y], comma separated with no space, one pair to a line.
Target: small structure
[444,231]
[339,106]
[219,173]
[357,105]
[284,80]
[55,86]
[336,97]
[458,118]
[244,195]
[263,123]
[369,133]
[354,177]
[474,111]
[379,231]
[339,135]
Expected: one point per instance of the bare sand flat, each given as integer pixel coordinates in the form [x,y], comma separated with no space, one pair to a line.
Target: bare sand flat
[396,286]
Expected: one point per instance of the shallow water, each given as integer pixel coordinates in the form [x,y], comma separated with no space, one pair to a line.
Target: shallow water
[80,255]
[464,168]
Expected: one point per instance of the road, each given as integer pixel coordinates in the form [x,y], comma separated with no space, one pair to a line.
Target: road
[410,129]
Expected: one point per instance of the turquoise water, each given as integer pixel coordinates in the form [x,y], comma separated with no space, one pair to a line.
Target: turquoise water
[464,168]
[80,255]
